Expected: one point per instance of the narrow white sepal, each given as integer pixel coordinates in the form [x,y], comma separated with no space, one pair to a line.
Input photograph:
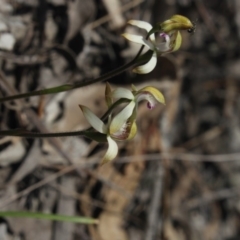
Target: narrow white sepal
[121,118]
[111,152]
[138,39]
[141,24]
[148,67]
[122,93]
[94,121]
[144,25]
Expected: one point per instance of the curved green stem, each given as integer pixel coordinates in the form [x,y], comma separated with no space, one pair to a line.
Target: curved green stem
[99,137]
[28,134]
[66,87]
[89,133]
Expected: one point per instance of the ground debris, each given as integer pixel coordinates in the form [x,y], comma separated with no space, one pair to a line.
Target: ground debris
[177,179]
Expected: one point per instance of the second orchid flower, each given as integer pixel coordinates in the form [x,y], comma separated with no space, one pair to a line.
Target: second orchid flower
[169,38]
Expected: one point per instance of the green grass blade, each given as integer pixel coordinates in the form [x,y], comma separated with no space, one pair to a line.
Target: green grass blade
[51,217]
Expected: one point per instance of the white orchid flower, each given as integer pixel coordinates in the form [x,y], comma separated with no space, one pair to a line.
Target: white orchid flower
[168,40]
[120,128]
[123,126]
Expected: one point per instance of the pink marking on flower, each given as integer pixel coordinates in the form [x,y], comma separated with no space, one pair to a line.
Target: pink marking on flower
[164,35]
[150,106]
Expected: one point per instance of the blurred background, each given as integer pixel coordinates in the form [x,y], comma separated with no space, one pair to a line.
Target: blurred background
[178,179]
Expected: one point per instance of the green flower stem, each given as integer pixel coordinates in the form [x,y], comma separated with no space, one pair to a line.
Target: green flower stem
[89,133]
[66,87]
[51,217]
[28,134]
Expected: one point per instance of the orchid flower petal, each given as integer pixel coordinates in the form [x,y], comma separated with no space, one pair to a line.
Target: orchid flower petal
[121,118]
[139,39]
[141,24]
[150,94]
[122,93]
[126,132]
[134,89]
[164,46]
[177,41]
[154,92]
[133,131]
[128,129]
[148,67]
[177,22]
[94,121]
[111,152]
[144,25]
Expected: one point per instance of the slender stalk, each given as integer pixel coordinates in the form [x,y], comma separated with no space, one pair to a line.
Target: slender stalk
[28,134]
[66,87]
[137,61]
[51,217]
[99,137]
[89,133]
